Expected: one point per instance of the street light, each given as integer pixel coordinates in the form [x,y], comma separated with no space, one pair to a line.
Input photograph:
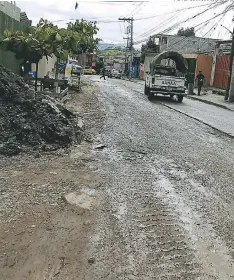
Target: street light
[227,29]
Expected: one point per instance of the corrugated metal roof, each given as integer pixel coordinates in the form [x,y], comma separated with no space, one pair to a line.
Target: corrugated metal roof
[188,45]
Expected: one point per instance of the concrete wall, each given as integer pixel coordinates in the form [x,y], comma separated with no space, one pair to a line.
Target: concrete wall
[10,9]
[44,66]
[204,63]
[148,58]
[9,22]
[186,45]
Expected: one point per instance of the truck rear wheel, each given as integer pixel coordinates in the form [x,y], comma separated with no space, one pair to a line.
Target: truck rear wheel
[180,98]
[150,96]
[147,90]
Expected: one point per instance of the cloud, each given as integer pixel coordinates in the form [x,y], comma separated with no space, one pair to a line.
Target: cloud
[60,12]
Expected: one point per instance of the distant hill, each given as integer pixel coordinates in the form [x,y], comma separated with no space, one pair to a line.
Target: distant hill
[104,45]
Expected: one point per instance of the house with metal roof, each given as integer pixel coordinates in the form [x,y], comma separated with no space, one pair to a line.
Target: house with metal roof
[183,44]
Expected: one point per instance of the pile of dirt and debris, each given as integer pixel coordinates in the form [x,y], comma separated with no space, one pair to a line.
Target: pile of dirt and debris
[32,121]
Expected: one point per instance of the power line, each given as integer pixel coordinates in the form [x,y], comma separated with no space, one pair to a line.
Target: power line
[189,43]
[138,8]
[161,24]
[228,8]
[185,38]
[110,1]
[174,16]
[110,20]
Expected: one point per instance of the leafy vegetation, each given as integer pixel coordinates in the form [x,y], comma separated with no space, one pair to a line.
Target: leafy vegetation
[46,39]
[187,32]
[85,41]
[149,47]
[112,52]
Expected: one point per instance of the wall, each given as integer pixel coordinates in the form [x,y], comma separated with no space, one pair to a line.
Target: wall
[204,63]
[44,66]
[221,71]
[10,9]
[117,66]
[187,45]
[8,58]
[148,59]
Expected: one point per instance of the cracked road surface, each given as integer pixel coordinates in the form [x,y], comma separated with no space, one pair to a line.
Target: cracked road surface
[168,183]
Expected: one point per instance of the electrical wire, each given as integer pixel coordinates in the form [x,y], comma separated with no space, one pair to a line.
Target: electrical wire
[137,9]
[189,43]
[220,27]
[162,24]
[175,25]
[185,38]
[228,8]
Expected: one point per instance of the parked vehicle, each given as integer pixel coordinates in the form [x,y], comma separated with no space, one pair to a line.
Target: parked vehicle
[114,74]
[166,80]
[107,72]
[88,70]
[76,69]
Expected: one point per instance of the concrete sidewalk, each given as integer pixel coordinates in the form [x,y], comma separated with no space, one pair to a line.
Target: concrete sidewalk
[207,96]
[214,99]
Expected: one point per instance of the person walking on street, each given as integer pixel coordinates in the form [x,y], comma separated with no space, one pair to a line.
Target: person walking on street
[200,82]
[103,73]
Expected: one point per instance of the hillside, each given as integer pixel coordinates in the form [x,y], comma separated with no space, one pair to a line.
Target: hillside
[104,45]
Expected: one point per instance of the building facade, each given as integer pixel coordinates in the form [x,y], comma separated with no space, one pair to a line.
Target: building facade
[10,19]
[10,9]
[184,45]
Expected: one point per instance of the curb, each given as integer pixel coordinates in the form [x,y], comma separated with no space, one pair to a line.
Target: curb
[199,120]
[194,118]
[131,80]
[194,98]
[210,102]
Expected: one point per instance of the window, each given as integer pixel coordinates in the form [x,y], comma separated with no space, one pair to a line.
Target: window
[164,40]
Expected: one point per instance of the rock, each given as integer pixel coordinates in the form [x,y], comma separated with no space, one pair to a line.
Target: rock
[100,147]
[10,149]
[54,173]
[91,260]
[81,200]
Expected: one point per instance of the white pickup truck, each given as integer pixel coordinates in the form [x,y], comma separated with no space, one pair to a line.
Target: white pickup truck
[164,81]
[167,80]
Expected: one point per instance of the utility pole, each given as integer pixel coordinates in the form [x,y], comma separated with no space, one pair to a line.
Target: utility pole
[131,49]
[230,86]
[125,58]
[130,20]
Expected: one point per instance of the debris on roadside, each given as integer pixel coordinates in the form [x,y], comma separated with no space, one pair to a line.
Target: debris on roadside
[100,147]
[32,121]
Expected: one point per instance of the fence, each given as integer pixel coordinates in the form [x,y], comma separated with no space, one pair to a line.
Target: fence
[221,71]
[8,58]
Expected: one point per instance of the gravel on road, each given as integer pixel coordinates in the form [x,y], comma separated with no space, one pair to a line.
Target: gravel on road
[169,187]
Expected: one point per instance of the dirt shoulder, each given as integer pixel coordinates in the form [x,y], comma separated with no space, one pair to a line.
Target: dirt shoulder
[41,235]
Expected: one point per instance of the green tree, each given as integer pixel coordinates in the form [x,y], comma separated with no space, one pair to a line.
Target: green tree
[86,31]
[46,39]
[39,41]
[187,32]
[149,47]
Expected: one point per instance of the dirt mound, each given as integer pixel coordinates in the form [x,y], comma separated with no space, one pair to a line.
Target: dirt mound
[32,121]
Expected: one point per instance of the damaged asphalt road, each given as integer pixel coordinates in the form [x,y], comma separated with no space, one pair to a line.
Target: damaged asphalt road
[168,182]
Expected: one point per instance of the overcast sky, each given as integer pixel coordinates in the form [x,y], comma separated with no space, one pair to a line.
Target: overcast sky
[164,14]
